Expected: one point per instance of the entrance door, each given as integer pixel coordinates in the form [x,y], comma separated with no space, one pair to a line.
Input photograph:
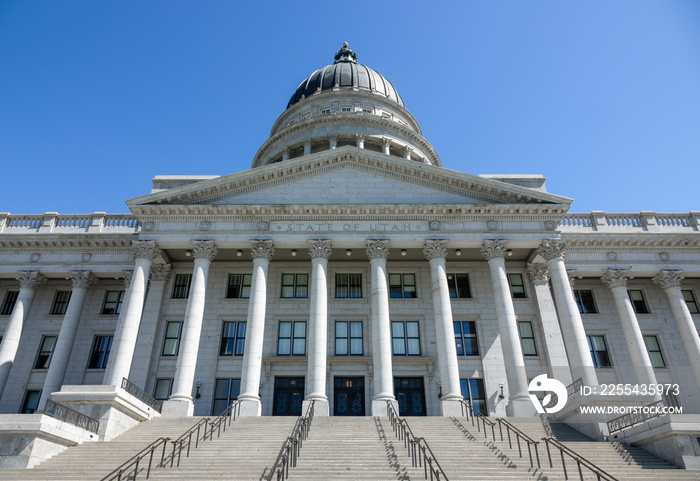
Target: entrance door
[349,396]
[289,394]
[410,394]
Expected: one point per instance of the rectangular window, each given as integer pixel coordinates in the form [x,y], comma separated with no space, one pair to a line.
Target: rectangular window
[325,111]
[459,285]
[465,337]
[405,338]
[295,285]
[657,359]
[9,303]
[239,286]
[348,286]
[60,302]
[181,288]
[232,338]
[402,285]
[100,352]
[585,301]
[225,392]
[599,351]
[171,344]
[43,358]
[292,338]
[527,338]
[689,301]
[366,110]
[31,400]
[346,109]
[638,302]
[113,302]
[474,392]
[348,338]
[164,387]
[517,286]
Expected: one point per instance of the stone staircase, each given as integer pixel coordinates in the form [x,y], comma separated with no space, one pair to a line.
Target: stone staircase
[353,448]
[93,461]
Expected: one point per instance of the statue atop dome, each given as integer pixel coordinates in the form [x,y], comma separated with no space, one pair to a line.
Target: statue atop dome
[345,55]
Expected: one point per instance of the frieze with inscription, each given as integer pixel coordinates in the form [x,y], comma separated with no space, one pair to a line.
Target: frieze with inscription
[348,226]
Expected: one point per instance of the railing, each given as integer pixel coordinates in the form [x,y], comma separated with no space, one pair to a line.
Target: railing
[576,220]
[201,431]
[418,450]
[673,220]
[71,416]
[120,220]
[287,458]
[74,221]
[580,461]
[627,420]
[25,221]
[142,395]
[470,411]
[574,388]
[531,443]
[624,220]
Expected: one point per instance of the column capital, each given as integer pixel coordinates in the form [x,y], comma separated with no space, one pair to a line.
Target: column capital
[204,249]
[320,248]
[552,249]
[82,279]
[572,276]
[262,249]
[435,248]
[360,137]
[386,141]
[616,278]
[538,272]
[145,250]
[494,248]
[377,248]
[160,272]
[668,278]
[127,278]
[30,279]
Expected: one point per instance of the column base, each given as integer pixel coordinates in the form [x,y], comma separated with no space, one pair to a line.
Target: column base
[320,407]
[451,408]
[379,407]
[177,408]
[520,407]
[250,407]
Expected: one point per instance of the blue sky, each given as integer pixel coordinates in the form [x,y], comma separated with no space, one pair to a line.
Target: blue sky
[601,97]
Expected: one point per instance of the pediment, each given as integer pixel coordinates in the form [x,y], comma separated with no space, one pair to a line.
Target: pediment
[348,176]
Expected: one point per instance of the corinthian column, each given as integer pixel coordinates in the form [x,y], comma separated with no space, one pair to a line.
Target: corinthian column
[552,250]
[670,282]
[119,363]
[450,402]
[616,281]
[82,281]
[180,402]
[378,251]
[519,400]
[319,251]
[28,282]
[262,251]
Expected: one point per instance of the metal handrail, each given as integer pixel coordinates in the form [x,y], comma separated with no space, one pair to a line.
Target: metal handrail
[71,416]
[518,436]
[209,426]
[574,388]
[630,419]
[287,457]
[580,460]
[140,394]
[418,450]
[135,460]
[470,411]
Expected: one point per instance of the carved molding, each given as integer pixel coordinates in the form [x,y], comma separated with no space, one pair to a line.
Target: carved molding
[571,273]
[69,244]
[82,279]
[127,276]
[493,249]
[435,248]
[262,249]
[632,244]
[552,249]
[667,279]
[160,272]
[616,278]
[320,248]
[145,250]
[30,279]
[538,272]
[204,249]
[377,248]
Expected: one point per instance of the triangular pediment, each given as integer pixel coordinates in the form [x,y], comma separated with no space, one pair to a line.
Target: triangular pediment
[348,176]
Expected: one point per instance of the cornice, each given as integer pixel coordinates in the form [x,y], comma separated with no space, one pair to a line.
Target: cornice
[67,245]
[633,244]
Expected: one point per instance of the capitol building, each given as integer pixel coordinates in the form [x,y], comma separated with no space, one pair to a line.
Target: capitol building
[349,266]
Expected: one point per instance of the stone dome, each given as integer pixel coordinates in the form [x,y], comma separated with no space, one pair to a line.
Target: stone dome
[345,73]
